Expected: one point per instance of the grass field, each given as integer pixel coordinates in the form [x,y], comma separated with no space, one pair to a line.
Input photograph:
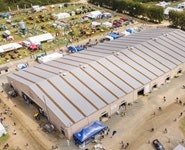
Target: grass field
[41,22]
[182,125]
[3,139]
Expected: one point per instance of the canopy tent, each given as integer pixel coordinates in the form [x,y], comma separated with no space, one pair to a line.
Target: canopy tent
[181,5]
[131,30]
[168,9]
[61,16]
[40,38]
[163,4]
[125,33]
[179,147]
[79,48]
[95,24]
[109,37]
[72,49]
[114,35]
[21,66]
[2,130]
[50,57]
[94,14]
[88,132]
[107,15]
[9,47]
[107,24]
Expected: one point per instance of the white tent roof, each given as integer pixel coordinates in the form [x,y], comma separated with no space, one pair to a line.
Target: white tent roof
[181,4]
[94,14]
[61,15]
[50,57]
[9,47]
[107,24]
[168,9]
[2,130]
[125,33]
[94,23]
[40,38]
[179,147]
[163,4]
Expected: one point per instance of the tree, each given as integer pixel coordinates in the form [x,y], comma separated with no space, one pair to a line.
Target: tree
[155,14]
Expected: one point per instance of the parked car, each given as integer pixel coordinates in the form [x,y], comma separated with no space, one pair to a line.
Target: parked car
[157,145]
[123,19]
[33,47]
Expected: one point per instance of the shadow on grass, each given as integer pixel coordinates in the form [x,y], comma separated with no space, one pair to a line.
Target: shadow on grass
[182,125]
[4,138]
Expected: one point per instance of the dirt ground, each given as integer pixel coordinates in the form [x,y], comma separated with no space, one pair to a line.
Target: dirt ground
[132,128]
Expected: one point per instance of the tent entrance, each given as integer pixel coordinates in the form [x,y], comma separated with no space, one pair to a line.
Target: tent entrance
[62,131]
[27,98]
[180,71]
[123,105]
[104,116]
[167,79]
[154,86]
[140,92]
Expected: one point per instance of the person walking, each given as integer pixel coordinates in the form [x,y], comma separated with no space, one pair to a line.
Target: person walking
[165,130]
[113,133]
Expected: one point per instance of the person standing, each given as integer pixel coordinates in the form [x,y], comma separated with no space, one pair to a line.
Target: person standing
[164,99]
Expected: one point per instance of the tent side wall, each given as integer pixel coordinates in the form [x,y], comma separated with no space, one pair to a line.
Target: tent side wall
[20,87]
[2,130]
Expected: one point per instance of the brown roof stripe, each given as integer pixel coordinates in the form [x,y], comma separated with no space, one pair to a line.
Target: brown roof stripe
[107,78]
[153,58]
[79,92]
[115,75]
[132,67]
[138,63]
[100,83]
[89,88]
[45,70]
[123,70]
[66,97]
[71,119]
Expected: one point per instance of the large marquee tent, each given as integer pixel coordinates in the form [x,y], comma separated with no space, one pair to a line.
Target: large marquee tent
[89,85]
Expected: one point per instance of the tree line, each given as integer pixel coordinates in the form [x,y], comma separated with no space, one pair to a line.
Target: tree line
[136,8]
[132,8]
[177,19]
[12,4]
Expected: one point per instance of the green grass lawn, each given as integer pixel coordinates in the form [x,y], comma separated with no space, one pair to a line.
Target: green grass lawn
[182,125]
[39,22]
[3,139]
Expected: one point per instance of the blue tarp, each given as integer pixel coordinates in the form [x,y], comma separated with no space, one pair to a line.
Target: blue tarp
[88,132]
[72,49]
[115,36]
[130,30]
[79,48]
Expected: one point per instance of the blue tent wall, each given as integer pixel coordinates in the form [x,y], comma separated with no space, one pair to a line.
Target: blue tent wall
[88,132]
[115,36]
[72,49]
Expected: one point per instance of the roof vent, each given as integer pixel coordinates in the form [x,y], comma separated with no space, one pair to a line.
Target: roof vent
[64,74]
[154,39]
[114,52]
[130,48]
[84,66]
[117,53]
